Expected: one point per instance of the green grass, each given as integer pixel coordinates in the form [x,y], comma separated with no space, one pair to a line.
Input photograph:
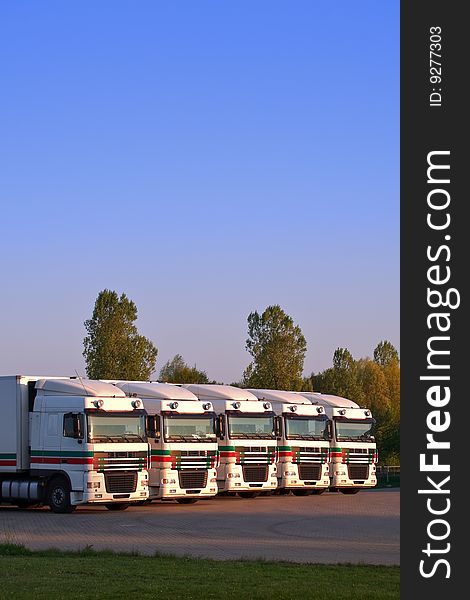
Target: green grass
[100,575]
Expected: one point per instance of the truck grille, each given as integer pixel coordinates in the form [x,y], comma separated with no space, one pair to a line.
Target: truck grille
[104,461]
[192,479]
[255,473]
[310,472]
[124,482]
[358,471]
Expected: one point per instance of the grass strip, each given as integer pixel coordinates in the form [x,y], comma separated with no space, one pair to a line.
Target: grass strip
[91,574]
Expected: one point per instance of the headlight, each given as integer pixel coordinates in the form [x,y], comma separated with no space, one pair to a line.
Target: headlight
[232,475]
[170,481]
[93,484]
[340,472]
[290,473]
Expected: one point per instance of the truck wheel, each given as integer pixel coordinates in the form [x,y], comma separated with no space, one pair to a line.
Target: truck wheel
[186,500]
[117,506]
[349,491]
[248,494]
[58,496]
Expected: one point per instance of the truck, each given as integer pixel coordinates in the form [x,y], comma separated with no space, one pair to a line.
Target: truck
[183,442]
[246,437]
[353,451]
[303,442]
[70,441]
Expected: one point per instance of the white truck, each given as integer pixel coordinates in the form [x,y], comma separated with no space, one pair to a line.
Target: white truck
[247,439]
[303,442]
[183,442]
[66,442]
[353,451]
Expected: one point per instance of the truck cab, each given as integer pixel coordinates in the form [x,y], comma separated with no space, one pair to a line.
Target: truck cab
[75,441]
[183,442]
[247,439]
[353,450]
[303,442]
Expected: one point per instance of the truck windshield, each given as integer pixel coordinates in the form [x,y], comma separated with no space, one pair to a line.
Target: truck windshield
[306,428]
[354,430]
[189,428]
[251,426]
[116,428]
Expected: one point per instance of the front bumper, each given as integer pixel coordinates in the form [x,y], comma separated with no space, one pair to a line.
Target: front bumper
[96,491]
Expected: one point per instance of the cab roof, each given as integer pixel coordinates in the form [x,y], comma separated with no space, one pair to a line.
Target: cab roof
[163,391]
[78,387]
[220,392]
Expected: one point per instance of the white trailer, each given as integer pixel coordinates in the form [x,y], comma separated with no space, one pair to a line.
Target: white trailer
[247,439]
[353,451]
[303,442]
[183,442]
[66,442]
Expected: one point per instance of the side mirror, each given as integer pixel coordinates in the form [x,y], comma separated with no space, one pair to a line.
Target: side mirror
[78,427]
[219,426]
[153,427]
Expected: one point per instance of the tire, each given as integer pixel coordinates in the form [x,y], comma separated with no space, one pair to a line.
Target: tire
[349,491]
[248,494]
[58,496]
[117,506]
[186,500]
[318,492]
[301,492]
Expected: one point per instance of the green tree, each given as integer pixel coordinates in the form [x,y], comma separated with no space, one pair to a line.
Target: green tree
[177,371]
[385,353]
[278,349]
[113,348]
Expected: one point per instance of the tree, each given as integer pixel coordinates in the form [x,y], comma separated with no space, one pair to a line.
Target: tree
[342,379]
[177,371]
[113,348]
[385,353]
[278,349]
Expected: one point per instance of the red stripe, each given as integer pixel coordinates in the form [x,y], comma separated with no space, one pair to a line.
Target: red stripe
[8,463]
[57,461]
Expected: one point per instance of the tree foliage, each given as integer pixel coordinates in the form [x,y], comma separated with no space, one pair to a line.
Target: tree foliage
[113,348]
[385,353]
[177,371]
[278,349]
[372,383]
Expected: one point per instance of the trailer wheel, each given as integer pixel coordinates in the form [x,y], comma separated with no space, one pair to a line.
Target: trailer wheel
[186,500]
[58,496]
[349,491]
[117,505]
[248,494]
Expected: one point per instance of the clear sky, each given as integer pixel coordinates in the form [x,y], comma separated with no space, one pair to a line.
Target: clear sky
[206,158]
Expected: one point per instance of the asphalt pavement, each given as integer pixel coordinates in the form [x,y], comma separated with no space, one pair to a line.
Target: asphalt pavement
[331,528]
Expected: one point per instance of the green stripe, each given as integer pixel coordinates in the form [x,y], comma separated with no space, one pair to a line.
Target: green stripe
[61,453]
[160,452]
[227,448]
[8,456]
[285,448]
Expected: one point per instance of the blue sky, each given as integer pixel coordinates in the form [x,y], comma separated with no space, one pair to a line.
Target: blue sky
[206,158]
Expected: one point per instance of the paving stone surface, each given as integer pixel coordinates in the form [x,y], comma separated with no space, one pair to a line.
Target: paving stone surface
[331,528]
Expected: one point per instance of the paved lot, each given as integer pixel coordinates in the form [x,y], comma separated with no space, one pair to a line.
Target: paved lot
[330,528]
